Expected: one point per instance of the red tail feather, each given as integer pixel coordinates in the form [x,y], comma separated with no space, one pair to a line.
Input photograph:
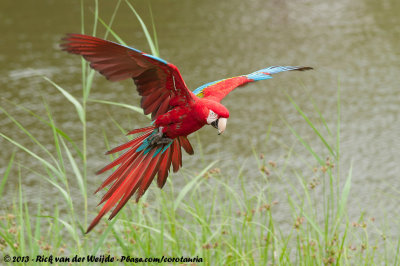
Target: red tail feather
[129,143]
[138,130]
[164,168]
[125,160]
[176,156]
[120,174]
[136,170]
[186,145]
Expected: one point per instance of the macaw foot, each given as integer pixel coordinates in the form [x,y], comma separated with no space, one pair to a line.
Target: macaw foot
[159,138]
[164,140]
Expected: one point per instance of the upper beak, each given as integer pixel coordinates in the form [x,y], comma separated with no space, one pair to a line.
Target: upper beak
[222,125]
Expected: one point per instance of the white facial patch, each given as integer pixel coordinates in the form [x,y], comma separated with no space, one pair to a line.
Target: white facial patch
[211,117]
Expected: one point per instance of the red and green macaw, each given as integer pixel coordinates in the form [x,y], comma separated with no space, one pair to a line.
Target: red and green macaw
[175,110]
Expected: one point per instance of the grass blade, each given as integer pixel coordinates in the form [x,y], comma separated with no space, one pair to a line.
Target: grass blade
[131,107]
[6,173]
[104,235]
[153,47]
[115,35]
[344,196]
[72,99]
[312,126]
[34,155]
[190,185]
[76,170]
[44,121]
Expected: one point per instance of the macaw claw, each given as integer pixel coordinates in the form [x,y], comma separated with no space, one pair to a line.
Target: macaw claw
[164,141]
[159,138]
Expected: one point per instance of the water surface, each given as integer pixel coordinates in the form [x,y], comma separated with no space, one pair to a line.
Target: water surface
[353,45]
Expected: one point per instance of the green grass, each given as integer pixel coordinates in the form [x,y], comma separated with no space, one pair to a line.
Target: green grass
[214,216]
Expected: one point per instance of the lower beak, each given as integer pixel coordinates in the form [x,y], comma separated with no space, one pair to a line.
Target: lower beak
[222,125]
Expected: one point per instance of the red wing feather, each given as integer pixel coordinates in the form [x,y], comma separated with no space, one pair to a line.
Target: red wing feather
[164,107]
[152,76]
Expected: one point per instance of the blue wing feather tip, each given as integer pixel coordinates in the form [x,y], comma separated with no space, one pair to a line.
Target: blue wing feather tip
[261,74]
[266,73]
[156,58]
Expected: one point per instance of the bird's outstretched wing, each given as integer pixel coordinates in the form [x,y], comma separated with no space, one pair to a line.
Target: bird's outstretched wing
[157,81]
[217,90]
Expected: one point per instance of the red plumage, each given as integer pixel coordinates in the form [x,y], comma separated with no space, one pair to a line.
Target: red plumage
[176,112]
[220,89]
[136,171]
[154,79]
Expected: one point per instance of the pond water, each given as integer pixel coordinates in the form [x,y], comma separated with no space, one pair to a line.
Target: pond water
[353,45]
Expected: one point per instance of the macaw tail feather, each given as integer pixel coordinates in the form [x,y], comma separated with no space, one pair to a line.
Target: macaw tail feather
[137,168]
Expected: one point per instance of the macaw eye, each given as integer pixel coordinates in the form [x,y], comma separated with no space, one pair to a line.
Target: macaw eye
[212,117]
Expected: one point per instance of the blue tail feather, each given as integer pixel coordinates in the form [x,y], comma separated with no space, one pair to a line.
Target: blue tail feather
[146,142]
[147,150]
[161,149]
[146,146]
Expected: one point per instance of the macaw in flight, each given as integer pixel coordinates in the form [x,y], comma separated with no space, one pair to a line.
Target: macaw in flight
[176,112]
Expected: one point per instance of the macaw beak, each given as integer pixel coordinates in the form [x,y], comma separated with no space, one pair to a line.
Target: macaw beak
[222,125]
